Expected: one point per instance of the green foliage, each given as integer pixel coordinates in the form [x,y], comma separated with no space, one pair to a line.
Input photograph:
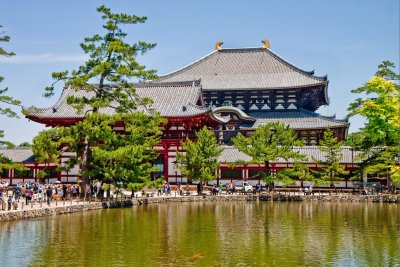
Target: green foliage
[135,187]
[299,171]
[25,144]
[106,187]
[111,61]
[199,162]
[270,142]
[7,164]
[355,140]
[382,109]
[5,99]
[330,168]
[381,142]
[6,144]
[101,152]
[112,155]
[157,183]
[46,146]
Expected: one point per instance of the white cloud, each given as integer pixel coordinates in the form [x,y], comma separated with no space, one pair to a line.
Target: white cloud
[43,58]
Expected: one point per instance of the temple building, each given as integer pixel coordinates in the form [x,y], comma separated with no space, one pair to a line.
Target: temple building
[24,156]
[230,91]
[254,86]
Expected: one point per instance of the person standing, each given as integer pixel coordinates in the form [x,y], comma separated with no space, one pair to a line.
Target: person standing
[199,188]
[17,192]
[49,193]
[23,191]
[187,189]
[64,190]
[179,189]
[168,189]
[9,202]
[2,206]
[28,196]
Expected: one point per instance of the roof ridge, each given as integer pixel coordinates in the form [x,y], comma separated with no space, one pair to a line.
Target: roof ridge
[197,83]
[245,49]
[291,65]
[16,148]
[324,117]
[37,110]
[188,66]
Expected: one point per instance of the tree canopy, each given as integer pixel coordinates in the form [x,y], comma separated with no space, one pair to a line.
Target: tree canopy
[112,68]
[381,107]
[381,133]
[6,110]
[330,168]
[199,162]
[270,142]
[108,76]
[5,99]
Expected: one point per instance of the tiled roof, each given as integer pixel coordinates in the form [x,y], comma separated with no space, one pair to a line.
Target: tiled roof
[299,119]
[245,69]
[232,154]
[18,154]
[170,99]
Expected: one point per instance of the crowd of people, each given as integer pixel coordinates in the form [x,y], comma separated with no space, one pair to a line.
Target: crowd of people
[11,196]
[26,192]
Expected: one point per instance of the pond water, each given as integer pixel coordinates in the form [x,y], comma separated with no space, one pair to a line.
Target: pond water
[210,234]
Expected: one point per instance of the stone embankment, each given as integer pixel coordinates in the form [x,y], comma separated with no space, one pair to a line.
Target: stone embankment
[48,211]
[251,197]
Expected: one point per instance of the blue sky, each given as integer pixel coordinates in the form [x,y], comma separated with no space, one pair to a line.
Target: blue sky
[345,39]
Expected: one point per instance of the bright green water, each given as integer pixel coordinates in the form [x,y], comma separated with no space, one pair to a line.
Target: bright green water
[210,234]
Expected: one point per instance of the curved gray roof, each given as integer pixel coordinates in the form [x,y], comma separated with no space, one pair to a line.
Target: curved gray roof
[236,110]
[245,69]
[170,99]
[299,119]
[18,154]
[232,154]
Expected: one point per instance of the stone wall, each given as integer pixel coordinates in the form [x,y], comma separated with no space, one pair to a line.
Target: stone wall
[27,214]
[274,197]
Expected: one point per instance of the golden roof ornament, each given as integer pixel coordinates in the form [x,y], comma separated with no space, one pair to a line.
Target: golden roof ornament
[218,45]
[266,43]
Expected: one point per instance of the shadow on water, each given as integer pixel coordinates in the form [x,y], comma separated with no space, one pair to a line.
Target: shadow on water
[210,234]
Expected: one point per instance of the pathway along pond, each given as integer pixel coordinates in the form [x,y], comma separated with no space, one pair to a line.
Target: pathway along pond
[210,234]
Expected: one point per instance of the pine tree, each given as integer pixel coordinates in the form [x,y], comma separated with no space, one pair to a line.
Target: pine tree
[270,142]
[5,99]
[299,171]
[199,162]
[101,152]
[6,163]
[330,168]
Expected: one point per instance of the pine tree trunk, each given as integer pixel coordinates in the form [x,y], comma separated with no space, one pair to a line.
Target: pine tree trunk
[268,173]
[84,162]
[389,182]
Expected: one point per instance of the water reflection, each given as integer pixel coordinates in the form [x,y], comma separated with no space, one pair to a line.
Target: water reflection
[212,234]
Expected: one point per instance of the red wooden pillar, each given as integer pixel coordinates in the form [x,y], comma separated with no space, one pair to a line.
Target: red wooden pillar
[35,172]
[166,167]
[245,171]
